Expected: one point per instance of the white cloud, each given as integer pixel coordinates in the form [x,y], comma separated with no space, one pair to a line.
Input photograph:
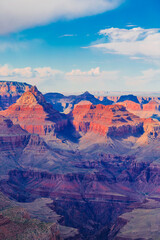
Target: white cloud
[92,80]
[78,72]
[5,71]
[68,35]
[21,14]
[30,75]
[49,79]
[135,42]
[130,25]
[93,77]
[46,72]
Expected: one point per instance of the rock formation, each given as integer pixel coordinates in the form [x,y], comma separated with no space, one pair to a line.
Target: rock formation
[96,169]
[10,92]
[12,141]
[34,114]
[66,103]
[112,120]
[151,106]
[131,106]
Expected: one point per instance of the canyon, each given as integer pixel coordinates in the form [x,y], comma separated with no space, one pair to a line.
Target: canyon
[87,169]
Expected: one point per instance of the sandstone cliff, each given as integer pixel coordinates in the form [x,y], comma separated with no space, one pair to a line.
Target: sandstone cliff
[112,120]
[34,114]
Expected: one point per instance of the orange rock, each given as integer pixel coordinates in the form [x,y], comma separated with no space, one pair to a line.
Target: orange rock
[34,114]
[131,106]
[151,106]
[112,120]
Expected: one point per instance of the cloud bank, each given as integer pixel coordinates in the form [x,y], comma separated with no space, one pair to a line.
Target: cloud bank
[48,79]
[22,14]
[135,42]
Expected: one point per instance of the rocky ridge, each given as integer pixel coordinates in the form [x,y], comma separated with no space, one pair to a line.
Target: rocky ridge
[112,120]
[10,92]
[34,114]
[97,181]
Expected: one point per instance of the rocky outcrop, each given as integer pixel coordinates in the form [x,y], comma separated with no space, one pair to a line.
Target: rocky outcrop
[91,201]
[145,109]
[10,92]
[141,106]
[131,106]
[66,103]
[34,114]
[113,120]
[13,140]
[87,201]
[16,223]
[128,98]
[151,106]
[111,167]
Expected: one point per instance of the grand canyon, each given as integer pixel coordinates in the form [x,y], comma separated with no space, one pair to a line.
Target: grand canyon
[79,120]
[78,166]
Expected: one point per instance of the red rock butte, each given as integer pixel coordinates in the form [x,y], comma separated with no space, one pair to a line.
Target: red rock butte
[113,120]
[151,106]
[34,114]
[131,106]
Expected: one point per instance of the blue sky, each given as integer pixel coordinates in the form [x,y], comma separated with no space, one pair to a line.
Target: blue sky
[104,45]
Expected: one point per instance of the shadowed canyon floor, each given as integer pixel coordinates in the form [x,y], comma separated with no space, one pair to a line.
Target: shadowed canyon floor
[92,174]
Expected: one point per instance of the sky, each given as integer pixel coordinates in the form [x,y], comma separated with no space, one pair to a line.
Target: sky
[77,46]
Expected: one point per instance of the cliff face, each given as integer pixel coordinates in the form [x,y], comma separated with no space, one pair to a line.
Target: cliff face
[10,92]
[34,114]
[131,106]
[132,103]
[90,201]
[12,141]
[108,169]
[151,106]
[16,223]
[112,120]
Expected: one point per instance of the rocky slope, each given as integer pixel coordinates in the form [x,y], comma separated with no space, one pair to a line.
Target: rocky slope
[104,187]
[141,106]
[10,92]
[131,106]
[16,223]
[12,141]
[113,120]
[96,170]
[34,114]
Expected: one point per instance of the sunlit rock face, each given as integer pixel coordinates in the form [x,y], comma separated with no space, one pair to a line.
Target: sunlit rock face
[131,106]
[151,106]
[34,114]
[10,92]
[112,120]
[98,164]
